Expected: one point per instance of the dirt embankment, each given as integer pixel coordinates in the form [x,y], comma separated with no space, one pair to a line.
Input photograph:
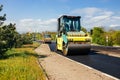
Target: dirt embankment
[58,67]
[107,51]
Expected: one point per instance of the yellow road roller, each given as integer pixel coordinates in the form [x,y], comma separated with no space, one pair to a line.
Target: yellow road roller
[70,37]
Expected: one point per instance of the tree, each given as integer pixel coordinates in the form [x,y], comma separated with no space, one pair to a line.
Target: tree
[116,37]
[2,18]
[10,35]
[84,29]
[7,35]
[98,35]
[26,38]
[3,42]
[109,38]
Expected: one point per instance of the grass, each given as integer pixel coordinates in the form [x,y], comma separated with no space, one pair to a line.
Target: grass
[21,64]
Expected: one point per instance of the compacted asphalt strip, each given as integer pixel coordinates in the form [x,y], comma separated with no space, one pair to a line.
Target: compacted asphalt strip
[58,67]
[104,63]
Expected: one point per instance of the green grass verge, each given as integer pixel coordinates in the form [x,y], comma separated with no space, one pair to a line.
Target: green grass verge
[21,64]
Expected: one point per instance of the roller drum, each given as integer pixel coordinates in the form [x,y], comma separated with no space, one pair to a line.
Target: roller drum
[79,48]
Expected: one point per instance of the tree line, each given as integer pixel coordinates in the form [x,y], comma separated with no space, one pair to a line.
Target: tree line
[107,38]
[9,37]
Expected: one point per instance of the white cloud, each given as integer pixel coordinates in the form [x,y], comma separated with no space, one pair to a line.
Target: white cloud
[26,20]
[92,16]
[116,17]
[105,12]
[32,25]
[90,11]
[115,25]
[99,17]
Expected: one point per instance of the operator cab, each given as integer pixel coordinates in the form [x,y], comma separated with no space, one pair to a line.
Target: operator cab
[69,23]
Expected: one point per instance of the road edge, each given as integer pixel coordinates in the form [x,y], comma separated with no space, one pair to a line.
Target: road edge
[90,68]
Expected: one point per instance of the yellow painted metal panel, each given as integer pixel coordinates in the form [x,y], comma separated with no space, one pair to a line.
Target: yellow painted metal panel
[59,43]
[78,38]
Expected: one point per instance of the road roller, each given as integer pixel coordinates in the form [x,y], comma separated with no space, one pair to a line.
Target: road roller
[70,37]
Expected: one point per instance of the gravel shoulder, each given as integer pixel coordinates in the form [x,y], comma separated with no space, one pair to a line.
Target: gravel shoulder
[58,67]
[109,53]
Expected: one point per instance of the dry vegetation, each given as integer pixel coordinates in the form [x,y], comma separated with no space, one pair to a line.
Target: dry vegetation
[21,64]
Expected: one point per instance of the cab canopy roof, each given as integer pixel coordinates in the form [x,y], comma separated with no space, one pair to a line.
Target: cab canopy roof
[70,16]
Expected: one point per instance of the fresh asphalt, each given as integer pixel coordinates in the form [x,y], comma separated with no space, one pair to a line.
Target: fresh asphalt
[103,63]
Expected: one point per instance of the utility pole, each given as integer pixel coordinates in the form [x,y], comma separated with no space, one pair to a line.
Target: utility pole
[107,40]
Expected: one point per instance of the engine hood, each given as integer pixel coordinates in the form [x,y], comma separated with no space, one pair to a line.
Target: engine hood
[81,33]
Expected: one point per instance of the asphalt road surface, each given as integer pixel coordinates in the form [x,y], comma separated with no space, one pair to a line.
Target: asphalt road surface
[103,63]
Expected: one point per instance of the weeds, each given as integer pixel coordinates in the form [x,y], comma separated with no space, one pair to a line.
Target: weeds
[21,64]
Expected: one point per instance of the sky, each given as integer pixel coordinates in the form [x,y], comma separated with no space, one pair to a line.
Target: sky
[41,15]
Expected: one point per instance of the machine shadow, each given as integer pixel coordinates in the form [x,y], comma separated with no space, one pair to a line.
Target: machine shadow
[81,52]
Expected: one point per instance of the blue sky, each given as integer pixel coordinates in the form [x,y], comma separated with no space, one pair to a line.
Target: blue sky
[41,15]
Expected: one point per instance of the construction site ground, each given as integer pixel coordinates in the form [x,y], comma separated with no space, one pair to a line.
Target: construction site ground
[58,67]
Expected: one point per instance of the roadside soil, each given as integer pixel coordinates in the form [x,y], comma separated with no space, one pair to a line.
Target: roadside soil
[114,53]
[58,67]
